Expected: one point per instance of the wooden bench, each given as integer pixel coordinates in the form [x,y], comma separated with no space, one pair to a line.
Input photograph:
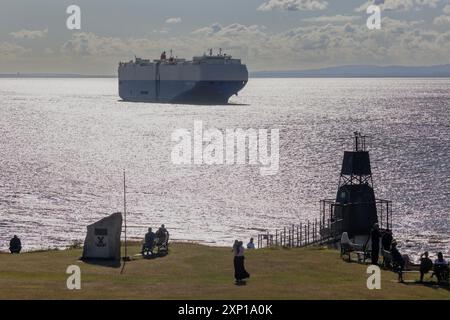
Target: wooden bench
[347,249]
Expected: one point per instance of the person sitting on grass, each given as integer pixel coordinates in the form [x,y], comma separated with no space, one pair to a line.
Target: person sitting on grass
[425,265]
[441,269]
[398,261]
[15,246]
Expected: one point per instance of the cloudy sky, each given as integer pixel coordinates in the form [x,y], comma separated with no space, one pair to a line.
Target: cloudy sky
[266,34]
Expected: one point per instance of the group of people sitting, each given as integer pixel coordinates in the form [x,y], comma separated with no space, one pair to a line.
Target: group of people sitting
[400,261]
[440,267]
[392,256]
[159,239]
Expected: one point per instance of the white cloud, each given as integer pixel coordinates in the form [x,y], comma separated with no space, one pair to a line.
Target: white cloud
[29,34]
[11,49]
[398,5]
[315,45]
[447,9]
[293,5]
[442,20]
[173,20]
[330,19]
[89,44]
[163,30]
[428,3]
[210,30]
[232,30]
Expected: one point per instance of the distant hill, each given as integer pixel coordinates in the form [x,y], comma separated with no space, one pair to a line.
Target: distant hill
[359,71]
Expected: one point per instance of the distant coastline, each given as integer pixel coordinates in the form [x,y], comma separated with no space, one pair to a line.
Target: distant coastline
[351,71]
[53,75]
[361,71]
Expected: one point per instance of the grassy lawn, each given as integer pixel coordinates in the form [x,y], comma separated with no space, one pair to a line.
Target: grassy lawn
[192,271]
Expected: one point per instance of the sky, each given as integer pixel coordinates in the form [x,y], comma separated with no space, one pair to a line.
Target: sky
[265,34]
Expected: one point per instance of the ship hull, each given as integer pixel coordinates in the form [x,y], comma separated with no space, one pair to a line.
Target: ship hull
[204,80]
[172,91]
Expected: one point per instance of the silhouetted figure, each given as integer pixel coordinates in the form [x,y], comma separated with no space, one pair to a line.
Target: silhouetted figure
[163,55]
[149,242]
[386,240]
[251,244]
[375,236]
[162,240]
[398,262]
[162,234]
[441,269]
[235,246]
[15,246]
[425,265]
[239,269]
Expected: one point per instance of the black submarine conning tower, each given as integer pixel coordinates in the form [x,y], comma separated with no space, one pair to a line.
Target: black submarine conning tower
[355,209]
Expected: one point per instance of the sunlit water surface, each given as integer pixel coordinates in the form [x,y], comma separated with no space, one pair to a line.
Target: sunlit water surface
[65,142]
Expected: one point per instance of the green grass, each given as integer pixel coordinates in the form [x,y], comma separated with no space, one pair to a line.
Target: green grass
[194,271]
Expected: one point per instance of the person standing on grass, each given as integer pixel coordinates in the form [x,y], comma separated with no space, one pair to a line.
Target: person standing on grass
[251,244]
[239,269]
[375,236]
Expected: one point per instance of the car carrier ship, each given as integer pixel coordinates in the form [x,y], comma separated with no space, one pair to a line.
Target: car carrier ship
[207,79]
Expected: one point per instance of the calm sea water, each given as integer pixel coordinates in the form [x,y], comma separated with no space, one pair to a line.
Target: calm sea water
[65,142]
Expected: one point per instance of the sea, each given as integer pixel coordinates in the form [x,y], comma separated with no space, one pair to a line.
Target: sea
[65,144]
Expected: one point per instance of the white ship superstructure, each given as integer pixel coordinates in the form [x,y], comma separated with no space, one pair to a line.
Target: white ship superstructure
[204,79]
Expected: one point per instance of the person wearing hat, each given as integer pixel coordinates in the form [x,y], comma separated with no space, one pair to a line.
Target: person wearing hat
[375,236]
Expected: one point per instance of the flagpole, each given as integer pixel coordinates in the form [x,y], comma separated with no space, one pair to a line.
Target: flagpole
[126,258]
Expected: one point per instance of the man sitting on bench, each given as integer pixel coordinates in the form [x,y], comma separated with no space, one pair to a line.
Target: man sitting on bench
[425,265]
[149,242]
[441,269]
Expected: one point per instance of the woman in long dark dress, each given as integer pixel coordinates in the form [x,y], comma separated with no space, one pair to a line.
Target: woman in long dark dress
[239,270]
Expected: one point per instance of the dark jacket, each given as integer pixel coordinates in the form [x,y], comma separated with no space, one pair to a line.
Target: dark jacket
[15,243]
